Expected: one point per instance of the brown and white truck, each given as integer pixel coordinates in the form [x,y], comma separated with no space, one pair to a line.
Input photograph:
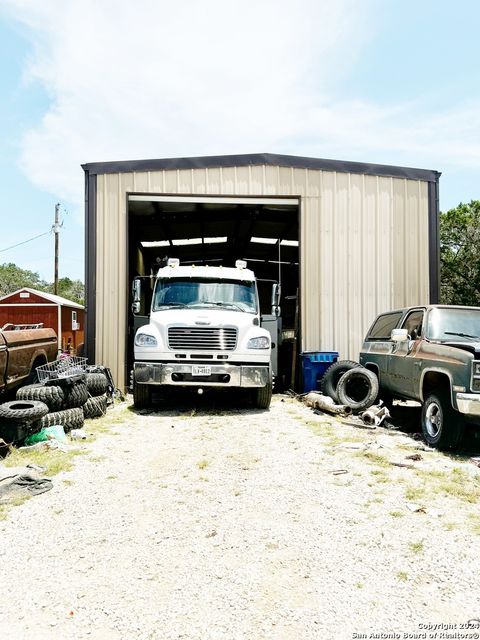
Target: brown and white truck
[22,350]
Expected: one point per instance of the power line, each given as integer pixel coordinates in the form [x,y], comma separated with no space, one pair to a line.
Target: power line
[25,241]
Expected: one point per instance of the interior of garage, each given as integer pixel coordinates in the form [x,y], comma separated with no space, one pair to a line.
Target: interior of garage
[209,231]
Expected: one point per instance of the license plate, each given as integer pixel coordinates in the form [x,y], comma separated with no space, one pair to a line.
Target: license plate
[201,370]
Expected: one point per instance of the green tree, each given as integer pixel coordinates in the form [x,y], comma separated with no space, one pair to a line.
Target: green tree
[460,255]
[71,289]
[13,278]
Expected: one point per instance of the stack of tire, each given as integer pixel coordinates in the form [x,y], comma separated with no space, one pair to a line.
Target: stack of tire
[69,401]
[349,383]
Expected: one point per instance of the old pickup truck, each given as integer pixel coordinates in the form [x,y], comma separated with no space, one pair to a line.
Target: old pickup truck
[430,354]
[21,351]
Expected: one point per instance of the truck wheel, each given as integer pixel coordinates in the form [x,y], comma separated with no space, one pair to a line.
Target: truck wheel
[332,375]
[142,395]
[442,426]
[26,411]
[358,388]
[263,396]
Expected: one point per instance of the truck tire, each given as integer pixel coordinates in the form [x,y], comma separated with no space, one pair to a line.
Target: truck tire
[97,384]
[332,375]
[95,407]
[75,395]
[69,419]
[442,426]
[263,396]
[142,395]
[358,388]
[25,411]
[53,397]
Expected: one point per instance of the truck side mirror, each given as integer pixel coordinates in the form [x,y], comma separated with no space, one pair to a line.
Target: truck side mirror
[399,335]
[136,293]
[275,302]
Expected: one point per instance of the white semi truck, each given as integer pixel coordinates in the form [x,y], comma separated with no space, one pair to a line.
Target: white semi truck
[204,332]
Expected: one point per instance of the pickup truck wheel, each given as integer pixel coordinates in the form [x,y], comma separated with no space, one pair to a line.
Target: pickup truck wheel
[25,411]
[358,388]
[442,426]
[263,396]
[332,375]
[142,396]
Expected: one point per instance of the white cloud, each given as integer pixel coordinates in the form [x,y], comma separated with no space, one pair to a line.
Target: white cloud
[157,79]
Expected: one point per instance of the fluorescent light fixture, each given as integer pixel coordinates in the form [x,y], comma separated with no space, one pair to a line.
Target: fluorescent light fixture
[157,243]
[264,240]
[185,241]
[289,243]
[216,240]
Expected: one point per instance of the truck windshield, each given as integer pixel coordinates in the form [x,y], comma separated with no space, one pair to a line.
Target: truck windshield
[459,325]
[236,295]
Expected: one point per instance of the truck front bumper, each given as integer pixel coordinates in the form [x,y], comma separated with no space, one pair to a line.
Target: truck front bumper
[221,375]
[469,403]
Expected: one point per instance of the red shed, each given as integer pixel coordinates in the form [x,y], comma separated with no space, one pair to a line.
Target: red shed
[29,306]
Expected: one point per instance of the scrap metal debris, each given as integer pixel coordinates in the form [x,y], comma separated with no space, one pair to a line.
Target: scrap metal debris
[325,403]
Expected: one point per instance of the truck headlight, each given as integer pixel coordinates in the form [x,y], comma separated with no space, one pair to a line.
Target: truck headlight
[476,369]
[262,342]
[144,340]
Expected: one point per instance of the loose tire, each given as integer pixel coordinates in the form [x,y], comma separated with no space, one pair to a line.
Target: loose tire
[97,384]
[75,395]
[24,411]
[95,407]
[332,376]
[69,419]
[358,388]
[142,395]
[53,397]
[263,396]
[442,426]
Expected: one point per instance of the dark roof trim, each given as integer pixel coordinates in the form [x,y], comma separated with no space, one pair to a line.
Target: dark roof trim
[269,159]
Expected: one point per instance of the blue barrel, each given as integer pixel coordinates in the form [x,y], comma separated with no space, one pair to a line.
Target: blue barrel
[314,365]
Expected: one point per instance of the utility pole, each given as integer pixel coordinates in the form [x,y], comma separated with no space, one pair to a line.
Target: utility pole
[56,231]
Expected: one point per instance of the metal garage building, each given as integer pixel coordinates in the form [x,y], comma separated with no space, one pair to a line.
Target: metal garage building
[352,239]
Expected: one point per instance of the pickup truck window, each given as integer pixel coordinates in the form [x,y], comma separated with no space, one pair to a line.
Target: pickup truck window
[453,324]
[413,323]
[382,327]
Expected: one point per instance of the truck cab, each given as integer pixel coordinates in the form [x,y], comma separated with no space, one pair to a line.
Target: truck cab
[203,332]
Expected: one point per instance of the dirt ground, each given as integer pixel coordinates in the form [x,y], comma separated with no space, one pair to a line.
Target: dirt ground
[202,520]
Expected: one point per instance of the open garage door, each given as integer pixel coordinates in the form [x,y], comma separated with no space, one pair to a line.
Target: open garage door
[211,230]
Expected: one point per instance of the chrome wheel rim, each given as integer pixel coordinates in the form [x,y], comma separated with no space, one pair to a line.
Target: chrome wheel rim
[433,419]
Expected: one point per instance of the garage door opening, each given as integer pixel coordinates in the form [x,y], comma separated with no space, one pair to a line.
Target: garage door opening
[210,230]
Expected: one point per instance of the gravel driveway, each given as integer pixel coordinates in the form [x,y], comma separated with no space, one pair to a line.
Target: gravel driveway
[205,524]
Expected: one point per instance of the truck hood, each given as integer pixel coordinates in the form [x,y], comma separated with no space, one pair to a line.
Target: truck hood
[471,347]
[206,317]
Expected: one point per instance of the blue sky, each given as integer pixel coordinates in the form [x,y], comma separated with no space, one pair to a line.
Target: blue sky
[377,81]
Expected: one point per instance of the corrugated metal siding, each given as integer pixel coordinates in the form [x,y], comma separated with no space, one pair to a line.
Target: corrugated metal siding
[364,247]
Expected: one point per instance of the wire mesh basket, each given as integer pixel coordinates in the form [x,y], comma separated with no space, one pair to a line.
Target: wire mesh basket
[62,369]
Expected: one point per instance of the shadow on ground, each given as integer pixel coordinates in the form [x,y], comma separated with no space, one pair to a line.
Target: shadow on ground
[208,403]
[406,418]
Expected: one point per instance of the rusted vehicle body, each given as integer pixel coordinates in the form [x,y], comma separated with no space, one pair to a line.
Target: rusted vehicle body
[430,354]
[21,351]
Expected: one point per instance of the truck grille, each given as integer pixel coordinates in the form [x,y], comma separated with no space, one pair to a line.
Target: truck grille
[204,338]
